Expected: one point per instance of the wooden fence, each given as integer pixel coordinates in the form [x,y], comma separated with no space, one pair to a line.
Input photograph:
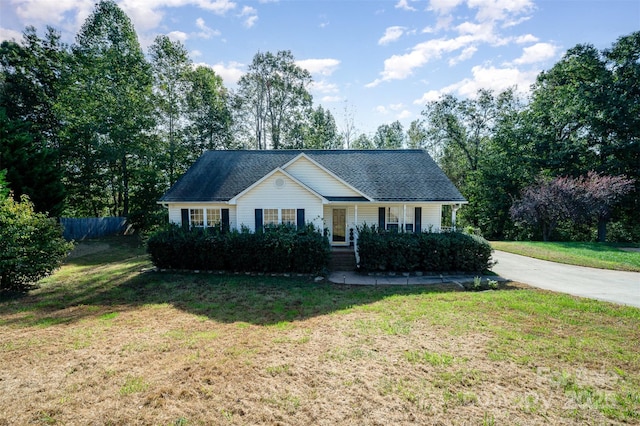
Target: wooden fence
[92,227]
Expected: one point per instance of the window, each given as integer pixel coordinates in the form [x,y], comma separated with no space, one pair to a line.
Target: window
[214,217]
[196,217]
[289,216]
[270,216]
[408,219]
[393,217]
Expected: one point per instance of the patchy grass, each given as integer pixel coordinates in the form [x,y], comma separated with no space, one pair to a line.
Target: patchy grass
[595,255]
[102,342]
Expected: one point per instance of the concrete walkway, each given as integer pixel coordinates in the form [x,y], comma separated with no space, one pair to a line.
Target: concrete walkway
[612,286]
[353,278]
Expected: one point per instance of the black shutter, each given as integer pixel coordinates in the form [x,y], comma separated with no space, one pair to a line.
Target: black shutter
[300,218]
[259,220]
[417,218]
[185,218]
[381,218]
[225,220]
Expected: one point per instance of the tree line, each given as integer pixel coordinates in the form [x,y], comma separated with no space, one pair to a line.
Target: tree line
[101,128]
[581,122]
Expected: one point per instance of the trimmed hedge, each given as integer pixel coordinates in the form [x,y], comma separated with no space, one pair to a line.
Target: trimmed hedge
[381,250]
[282,248]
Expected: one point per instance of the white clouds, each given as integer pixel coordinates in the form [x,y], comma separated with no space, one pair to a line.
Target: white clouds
[471,36]
[391,34]
[324,67]
[250,16]
[323,87]
[397,111]
[331,99]
[404,5]
[443,6]
[230,72]
[399,67]
[146,15]
[499,10]
[484,77]
[466,54]
[539,52]
[527,38]
[6,34]
[205,32]
[178,36]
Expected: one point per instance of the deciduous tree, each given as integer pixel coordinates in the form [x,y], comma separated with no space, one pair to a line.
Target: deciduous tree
[270,94]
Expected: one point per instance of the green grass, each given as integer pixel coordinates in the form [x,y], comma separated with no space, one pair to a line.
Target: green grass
[416,337]
[595,255]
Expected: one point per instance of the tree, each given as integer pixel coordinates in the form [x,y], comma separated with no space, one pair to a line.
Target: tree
[209,112]
[546,204]
[4,188]
[107,103]
[348,130]
[31,170]
[270,94]
[362,142]
[461,137]
[389,136]
[170,65]
[31,244]
[417,136]
[317,131]
[576,200]
[601,193]
[29,87]
[570,108]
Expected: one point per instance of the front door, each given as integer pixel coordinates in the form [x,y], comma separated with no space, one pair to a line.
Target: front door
[339,230]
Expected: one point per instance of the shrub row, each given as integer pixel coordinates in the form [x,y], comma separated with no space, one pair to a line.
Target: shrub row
[381,250]
[282,248]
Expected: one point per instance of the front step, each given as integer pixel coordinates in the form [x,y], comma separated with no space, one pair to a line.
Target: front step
[342,260]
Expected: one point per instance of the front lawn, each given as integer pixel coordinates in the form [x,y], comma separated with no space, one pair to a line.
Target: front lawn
[104,341]
[595,255]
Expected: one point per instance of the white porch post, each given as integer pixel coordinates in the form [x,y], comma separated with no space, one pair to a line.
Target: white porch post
[355,232]
[204,218]
[454,210]
[404,217]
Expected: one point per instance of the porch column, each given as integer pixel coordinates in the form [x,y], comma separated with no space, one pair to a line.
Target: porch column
[355,214]
[355,233]
[404,217]
[454,210]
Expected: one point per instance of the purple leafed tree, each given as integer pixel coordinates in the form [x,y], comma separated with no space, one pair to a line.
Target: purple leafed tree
[600,194]
[585,199]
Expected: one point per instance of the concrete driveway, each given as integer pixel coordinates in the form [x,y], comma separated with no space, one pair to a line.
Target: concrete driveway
[612,286]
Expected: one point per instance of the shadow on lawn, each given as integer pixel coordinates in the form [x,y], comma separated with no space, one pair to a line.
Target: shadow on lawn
[259,300]
[112,280]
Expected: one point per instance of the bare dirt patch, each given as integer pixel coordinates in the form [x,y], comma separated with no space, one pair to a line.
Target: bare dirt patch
[86,248]
[631,249]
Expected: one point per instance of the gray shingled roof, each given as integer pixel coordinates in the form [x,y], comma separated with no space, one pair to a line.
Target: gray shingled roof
[383,175]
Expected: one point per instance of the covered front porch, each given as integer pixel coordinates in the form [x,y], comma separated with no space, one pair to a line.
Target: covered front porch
[343,219]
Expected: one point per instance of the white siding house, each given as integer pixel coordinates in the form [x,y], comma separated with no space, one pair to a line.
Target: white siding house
[336,190]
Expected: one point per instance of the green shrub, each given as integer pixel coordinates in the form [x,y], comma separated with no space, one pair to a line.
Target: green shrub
[31,245]
[282,248]
[380,250]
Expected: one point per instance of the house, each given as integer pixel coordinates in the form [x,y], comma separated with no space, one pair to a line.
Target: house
[333,189]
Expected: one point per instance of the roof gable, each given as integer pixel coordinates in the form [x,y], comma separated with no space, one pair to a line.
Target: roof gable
[321,180]
[381,175]
[267,176]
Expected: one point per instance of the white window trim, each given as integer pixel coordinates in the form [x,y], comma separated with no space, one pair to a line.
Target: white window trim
[279,222]
[205,217]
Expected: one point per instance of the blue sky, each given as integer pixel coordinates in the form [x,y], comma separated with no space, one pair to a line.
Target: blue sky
[378,60]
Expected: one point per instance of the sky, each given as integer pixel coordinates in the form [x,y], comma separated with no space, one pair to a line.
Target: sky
[372,62]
